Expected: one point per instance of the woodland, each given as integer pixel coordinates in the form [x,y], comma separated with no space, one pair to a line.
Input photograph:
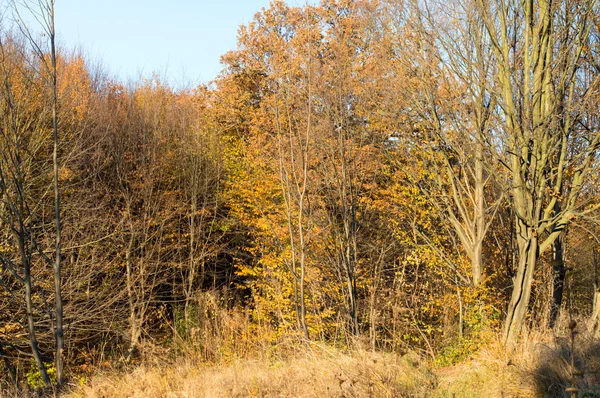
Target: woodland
[403,177]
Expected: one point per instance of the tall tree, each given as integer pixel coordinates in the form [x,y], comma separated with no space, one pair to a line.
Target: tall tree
[43,12]
[22,117]
[454,115]
[546,139]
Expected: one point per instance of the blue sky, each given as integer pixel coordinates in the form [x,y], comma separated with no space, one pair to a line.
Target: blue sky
[179,39]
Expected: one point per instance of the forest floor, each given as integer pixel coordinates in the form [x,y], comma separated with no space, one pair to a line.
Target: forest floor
[539,367]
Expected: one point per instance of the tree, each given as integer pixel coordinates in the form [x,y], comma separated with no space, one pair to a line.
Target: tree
[22,116]
[454,118]
[43,12]
[546,139]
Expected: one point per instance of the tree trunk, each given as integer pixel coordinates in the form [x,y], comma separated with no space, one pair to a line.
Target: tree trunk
[595,317]
[372,319]
[134,332]
[26,261]
[477,264]
[527,244]
[302,293]
[351,281]
[9,368]
[59,338]
[479,215]
[35,350]
[558,279]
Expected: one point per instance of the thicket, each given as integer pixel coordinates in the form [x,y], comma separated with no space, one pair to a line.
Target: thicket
[370,173]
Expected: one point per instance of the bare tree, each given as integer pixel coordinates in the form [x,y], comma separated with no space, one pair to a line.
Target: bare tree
[43,12]
[201,179]
[452,120]
[17,180]
[546,139]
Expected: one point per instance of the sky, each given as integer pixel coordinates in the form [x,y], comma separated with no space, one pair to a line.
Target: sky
[181,40]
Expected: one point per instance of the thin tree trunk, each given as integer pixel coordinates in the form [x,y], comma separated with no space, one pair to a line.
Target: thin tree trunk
[558,279]
[302,267]
[351,282]
[192,263]
[59,337]
[35,350]
[9,368]
[351,255]
[594,320]
[133,329]
[479,214]
[372,318]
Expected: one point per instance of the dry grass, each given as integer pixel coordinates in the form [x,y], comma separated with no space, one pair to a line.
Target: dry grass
[492,372]
[538,367]
[322,374]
